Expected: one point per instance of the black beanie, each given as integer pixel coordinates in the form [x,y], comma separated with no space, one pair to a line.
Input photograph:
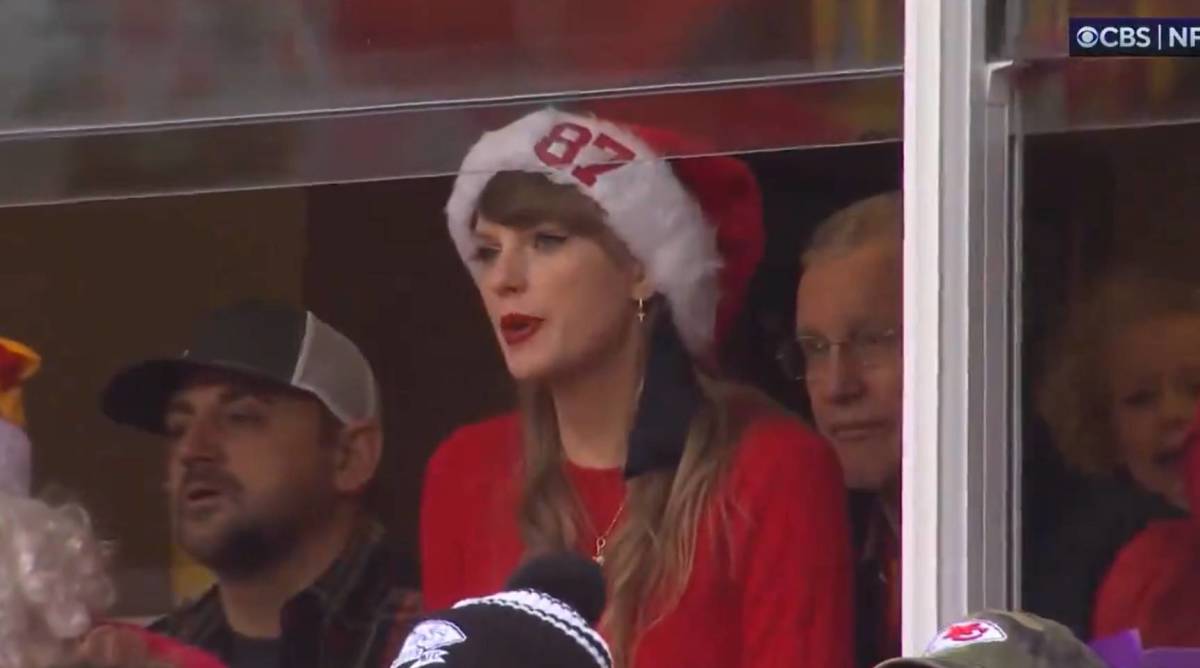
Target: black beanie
[543,619]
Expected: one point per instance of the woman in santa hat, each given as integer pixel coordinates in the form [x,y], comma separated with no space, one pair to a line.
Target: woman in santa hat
[609,273]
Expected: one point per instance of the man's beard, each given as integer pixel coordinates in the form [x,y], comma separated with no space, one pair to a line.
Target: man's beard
[247,547]
[250,541]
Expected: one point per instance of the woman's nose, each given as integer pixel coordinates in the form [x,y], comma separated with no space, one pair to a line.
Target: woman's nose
[508,272]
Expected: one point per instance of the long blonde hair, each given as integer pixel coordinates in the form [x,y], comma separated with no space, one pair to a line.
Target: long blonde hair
[650,557]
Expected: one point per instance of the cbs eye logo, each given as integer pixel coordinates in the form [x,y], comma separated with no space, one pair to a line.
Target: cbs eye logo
[1087,37]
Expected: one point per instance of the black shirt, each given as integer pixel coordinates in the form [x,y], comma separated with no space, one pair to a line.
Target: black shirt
[1068,564]
[255,652]
[872,589]
[354,616]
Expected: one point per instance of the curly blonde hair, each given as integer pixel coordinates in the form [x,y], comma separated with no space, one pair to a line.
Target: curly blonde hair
[1074,395]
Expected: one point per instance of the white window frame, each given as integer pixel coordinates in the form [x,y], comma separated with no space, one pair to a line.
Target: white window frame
[960,466]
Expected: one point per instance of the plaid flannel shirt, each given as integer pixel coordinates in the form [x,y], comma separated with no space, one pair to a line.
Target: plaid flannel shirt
[354,616]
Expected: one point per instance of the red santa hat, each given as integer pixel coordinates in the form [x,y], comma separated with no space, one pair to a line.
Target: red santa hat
[694,222]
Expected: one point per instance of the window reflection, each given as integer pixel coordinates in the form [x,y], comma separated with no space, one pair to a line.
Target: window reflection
[1112,375]
[138,273]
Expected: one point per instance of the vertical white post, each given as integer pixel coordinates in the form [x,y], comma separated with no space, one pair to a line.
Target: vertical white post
[958,353]
[921,557]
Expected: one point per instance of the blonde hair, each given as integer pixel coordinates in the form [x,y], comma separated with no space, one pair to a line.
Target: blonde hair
[650,557]
[880,217]
[1074,396]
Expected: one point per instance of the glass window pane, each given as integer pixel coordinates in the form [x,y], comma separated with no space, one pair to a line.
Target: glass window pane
[123,98]
[380,145]
[1111,319]
[116,62]
[1094,93]
[97,284]
[1038,30]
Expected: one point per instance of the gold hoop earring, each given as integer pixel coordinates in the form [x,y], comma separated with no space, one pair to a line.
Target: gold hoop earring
[641,310]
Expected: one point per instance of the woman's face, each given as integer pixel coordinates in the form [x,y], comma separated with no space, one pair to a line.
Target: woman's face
[1155,384]
[557,301]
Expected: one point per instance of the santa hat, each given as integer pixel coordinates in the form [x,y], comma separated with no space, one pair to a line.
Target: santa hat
[18,363]
[543,620]
[694,222]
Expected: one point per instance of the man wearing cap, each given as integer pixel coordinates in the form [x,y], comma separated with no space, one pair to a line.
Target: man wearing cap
[272,425]
[996,639]
[847,353]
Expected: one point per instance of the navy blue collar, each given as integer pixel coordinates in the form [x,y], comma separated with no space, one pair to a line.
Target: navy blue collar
[670,398]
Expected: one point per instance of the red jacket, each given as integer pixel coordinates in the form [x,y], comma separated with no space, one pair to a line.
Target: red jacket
[1154,584]
[774,591]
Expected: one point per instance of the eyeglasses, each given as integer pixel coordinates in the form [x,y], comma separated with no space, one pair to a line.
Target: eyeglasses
[811,357]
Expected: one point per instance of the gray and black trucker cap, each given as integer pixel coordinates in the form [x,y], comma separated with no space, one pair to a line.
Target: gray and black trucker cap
[259,339]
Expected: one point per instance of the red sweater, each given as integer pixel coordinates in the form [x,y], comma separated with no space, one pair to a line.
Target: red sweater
[1154,587]
[775,591]
[1154,583]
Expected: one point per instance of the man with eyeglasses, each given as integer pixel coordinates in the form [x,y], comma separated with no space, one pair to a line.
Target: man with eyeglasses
[847,353]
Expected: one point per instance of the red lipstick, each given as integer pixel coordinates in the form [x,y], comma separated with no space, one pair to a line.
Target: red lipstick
[517,328]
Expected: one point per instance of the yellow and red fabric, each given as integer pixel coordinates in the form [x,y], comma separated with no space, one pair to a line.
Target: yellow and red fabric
[18,363]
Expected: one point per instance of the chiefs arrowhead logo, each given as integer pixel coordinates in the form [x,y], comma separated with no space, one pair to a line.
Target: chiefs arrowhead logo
[966,633]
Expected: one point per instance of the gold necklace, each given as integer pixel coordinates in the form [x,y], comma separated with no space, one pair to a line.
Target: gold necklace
[602,539]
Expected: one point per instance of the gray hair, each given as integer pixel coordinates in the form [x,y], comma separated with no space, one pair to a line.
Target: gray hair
[53,580]
[876,218]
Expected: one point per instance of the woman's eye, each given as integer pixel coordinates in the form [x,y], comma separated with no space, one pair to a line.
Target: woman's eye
[548,240]
[485,254]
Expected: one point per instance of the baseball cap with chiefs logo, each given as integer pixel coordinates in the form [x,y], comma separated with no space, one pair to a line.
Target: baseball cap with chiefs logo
[997,639]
